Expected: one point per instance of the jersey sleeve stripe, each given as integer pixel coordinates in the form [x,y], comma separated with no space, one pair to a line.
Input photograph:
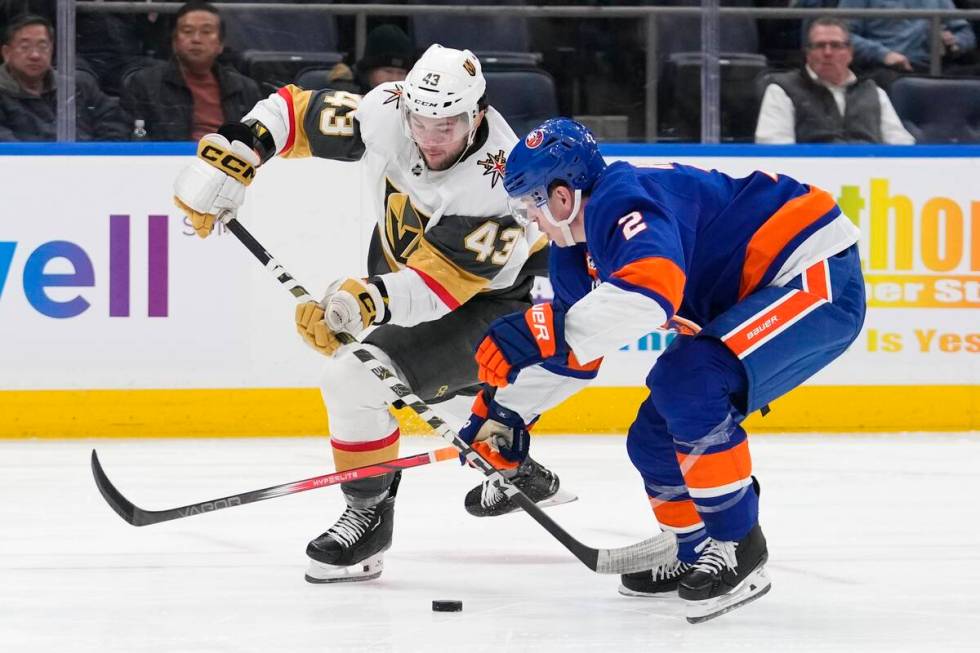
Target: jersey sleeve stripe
[658,274]
[772,237]
[451,283]
[297,104]
[444,295]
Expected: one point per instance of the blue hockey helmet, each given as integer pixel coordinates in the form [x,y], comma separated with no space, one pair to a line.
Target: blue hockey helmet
[561,150]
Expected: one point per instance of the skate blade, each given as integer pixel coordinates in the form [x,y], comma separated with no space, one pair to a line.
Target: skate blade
[556,499]
[368,569]
[755,586]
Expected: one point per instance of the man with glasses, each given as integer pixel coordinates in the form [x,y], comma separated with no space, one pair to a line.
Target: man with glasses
[825,102]
[446,258]
[28,92]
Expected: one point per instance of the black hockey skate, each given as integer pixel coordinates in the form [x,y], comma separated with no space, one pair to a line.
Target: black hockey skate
[352,549]
[533,479]
[726,576]
[660,582]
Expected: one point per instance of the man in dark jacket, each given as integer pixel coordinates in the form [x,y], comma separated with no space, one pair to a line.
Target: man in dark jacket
[191,95]
[28,95]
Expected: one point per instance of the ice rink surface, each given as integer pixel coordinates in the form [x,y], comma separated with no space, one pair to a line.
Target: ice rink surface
[874,545]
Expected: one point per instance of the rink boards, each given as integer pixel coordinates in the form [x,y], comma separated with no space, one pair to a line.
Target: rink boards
[115,320]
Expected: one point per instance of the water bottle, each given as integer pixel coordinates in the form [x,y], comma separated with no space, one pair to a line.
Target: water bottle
[139,130]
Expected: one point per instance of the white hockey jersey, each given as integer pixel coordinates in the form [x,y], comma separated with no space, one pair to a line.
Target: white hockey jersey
[442,237]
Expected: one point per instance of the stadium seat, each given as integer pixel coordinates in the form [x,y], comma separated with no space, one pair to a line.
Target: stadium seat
[526,98]
[313,78]
[268,30]
[476,33]
[739,96]
[272,69]
[938,110]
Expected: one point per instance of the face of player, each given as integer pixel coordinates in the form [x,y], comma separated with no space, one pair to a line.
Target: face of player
[28,55]
[829,53]
[441,140]
[197,39]
[553,213]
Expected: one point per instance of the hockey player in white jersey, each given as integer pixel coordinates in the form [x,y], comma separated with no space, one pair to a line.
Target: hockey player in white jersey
[445,259]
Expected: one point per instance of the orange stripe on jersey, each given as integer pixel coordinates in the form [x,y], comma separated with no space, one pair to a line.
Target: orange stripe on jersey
[297,103]
[816,280]
[675,514]
[540,320]
[782,226]
[769,322]
[715,469]
[658,274]
[591,366]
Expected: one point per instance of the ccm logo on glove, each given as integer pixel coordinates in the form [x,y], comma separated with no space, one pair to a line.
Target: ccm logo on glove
[240,169]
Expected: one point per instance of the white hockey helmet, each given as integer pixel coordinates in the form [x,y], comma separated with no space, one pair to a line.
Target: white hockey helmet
[444,83]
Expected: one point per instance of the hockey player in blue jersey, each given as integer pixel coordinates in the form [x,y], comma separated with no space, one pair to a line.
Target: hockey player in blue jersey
[768,265]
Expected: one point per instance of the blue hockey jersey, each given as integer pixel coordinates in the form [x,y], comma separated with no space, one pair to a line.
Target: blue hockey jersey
[675,239]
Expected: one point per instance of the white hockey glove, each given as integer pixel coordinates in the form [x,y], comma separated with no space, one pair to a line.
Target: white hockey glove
[212,186]
[349,306]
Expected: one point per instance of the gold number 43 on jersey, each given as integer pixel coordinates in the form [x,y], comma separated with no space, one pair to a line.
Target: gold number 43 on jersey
[483,241]
[337,115]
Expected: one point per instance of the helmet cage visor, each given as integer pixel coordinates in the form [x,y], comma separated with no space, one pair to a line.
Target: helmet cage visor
[525,207]
[435,132]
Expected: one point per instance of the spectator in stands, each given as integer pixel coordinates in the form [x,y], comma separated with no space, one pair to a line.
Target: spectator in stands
[825,102]
[28,91]
[388,55]
[191,95]
[901,45]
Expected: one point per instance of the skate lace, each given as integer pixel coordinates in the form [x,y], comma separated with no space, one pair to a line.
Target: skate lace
[351,525]
[716,555]
[670,570]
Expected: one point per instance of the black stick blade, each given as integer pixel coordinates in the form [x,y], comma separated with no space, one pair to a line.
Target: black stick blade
[123,506]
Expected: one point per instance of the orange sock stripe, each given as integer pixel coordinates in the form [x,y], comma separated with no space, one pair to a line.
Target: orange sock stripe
[717,469]
[675,514]
[344,460]
[766,244]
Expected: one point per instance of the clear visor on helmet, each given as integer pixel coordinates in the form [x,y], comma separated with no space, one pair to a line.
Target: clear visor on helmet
[525,207]
[432,132]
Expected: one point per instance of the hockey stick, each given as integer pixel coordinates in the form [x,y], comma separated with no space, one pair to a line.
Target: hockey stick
[659,550]
[137,516]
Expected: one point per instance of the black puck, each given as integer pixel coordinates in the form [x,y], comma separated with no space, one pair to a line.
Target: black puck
[447,606]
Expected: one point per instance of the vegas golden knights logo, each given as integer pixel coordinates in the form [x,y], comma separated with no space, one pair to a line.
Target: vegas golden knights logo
[470,68]
[403,224]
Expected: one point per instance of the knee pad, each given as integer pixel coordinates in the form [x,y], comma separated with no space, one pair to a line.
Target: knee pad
[356,400]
